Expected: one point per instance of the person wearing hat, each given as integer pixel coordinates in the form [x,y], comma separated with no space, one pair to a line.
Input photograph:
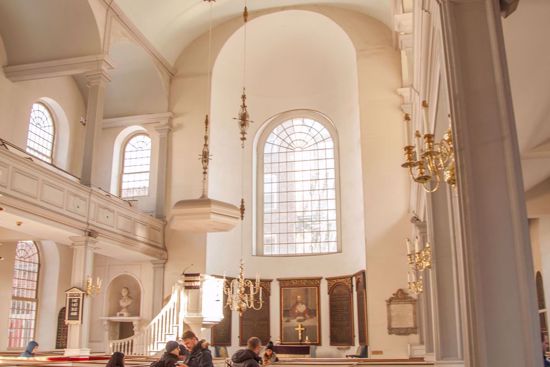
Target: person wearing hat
[269,356]
[170,356]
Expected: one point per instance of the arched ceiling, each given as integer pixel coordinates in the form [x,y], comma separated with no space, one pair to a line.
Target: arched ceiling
[35,31]
[171,25]
[526,34]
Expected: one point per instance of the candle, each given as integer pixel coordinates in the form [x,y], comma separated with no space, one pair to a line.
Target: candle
[409,277]
[425,115]
[413,276]
[416,245]
[407,132]
[409,247]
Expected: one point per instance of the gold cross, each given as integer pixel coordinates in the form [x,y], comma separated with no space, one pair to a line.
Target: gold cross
[300,329]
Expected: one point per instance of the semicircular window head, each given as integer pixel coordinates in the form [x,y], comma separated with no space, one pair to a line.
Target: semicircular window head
[40,139]
[299,190]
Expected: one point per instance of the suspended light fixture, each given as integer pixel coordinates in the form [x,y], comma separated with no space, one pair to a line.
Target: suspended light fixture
[205,214]
[243,294]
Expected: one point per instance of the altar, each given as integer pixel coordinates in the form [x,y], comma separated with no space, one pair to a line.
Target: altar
[294,351]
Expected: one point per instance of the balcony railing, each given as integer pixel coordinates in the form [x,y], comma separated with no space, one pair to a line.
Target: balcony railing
[38,188]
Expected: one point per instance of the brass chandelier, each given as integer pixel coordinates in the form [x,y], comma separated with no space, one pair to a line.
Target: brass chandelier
[243,294]
[429,162]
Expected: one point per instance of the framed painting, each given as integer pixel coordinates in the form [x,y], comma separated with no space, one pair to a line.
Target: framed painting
[300,311]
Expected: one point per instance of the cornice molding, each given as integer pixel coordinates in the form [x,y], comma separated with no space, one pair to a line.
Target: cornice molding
[160,120]
[58,68]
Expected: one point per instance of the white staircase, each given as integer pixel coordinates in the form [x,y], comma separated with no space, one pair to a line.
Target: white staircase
[167,325]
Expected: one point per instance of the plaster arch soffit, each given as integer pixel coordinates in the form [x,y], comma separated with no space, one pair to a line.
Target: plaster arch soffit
[381,34]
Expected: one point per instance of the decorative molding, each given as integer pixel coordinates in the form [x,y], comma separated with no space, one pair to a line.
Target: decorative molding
[403,23]
[346,280]
[58,68]
[159,121]
[299,282]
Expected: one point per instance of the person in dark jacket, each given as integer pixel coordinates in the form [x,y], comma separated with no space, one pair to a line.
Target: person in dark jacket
[199,354]
[32,346]
[117,360]
[170,356]
[269,356]
[249,357]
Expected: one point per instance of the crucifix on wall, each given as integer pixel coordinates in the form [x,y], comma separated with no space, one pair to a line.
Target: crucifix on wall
[300,330]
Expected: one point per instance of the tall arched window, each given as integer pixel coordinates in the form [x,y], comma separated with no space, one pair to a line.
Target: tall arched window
[22,319]
[297,189]
[40,138]
[136,167]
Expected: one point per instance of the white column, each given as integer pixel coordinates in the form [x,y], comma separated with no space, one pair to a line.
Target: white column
[83,263]
[425,301]
[97,82]
[445,296]
[158,285]
[498,288]
[163,131]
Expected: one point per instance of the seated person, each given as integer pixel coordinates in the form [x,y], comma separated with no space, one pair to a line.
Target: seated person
[31,349]
[117,360]
[269,356]
[199,354]
[170,356]
[248,357]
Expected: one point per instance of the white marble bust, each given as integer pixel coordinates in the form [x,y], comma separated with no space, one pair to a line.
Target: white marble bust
[124,302]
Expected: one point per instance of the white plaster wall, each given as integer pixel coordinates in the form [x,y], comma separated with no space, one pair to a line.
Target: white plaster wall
[16,100]
[371,143]
[107,269]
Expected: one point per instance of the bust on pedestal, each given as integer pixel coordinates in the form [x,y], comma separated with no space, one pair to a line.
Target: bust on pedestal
[124,302]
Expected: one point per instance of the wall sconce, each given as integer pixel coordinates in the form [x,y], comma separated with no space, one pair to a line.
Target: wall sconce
[93,289]
[429,163]
[419,260]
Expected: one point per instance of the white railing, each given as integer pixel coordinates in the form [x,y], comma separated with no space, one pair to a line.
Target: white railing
[166,326]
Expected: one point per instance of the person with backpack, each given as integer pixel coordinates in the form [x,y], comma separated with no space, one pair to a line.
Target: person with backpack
[170,356]
[249,357]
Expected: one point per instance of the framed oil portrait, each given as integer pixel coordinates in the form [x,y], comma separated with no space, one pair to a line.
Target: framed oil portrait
[300,311]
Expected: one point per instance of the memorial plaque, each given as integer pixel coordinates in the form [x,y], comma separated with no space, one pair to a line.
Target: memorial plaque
[341,311]
[256,322]
[74,301]
[221,332]
[361,290]
[401,314]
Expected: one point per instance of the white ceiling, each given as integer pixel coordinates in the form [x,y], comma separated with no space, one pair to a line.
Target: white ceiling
[171,25]
[526,37]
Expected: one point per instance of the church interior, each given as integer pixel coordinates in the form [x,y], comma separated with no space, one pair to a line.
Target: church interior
[358,182]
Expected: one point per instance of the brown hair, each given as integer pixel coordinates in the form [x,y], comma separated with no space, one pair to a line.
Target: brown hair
[253,343]
[189,335]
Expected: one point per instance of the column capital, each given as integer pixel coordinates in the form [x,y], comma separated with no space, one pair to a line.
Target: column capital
[163,129]
[83,241]
[158,263]
[99,77]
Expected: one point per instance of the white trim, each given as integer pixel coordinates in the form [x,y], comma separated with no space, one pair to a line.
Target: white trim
[161,118]
[258,205]
[58,68]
